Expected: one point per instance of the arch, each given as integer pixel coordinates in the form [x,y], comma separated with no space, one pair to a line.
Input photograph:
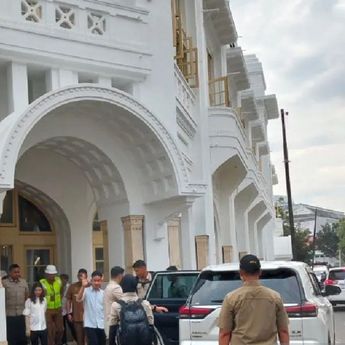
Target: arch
[19,125]
[56,217]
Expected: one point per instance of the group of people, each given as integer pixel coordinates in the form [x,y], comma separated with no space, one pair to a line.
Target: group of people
[91,313]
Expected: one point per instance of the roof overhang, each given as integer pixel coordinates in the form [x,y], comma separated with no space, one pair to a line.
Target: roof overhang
[271,106]
[258,131]
[237,68]
[223,22]
[264,148]
[248,105]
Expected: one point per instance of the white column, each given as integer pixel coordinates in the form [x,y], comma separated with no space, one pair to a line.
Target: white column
[67,77]
[81,242]
[187,244]
[57,78]
[3,336]
[18,92]
[113,213]
[52,79]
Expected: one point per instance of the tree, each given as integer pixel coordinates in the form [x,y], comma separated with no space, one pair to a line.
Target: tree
[340,226]
[303,251]
[327,240]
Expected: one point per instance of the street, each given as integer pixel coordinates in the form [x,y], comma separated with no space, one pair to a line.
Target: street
[340,325]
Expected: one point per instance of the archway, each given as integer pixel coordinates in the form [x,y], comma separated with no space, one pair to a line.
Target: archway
[93,148]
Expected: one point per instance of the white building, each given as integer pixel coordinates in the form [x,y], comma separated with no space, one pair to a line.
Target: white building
[143,113]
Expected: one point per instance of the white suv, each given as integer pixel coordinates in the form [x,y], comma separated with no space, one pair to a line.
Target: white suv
[310,313]
[336,277]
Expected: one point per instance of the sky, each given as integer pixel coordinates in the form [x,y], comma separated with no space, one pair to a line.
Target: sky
[301,44]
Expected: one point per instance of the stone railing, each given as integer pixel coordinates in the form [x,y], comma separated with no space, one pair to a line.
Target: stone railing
[107,19]
[184,94]
[3,337]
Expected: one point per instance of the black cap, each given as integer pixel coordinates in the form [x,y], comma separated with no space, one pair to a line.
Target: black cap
[250,264]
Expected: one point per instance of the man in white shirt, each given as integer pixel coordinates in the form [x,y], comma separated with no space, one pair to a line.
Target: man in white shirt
[112,293]
[93,298]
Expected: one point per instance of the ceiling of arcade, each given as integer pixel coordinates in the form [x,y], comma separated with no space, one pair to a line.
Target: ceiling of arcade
[115,151]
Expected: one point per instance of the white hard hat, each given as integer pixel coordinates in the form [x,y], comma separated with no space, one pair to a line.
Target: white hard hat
[51,269]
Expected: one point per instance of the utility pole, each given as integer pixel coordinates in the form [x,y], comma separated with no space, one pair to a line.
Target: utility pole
[288,185]
[314,236]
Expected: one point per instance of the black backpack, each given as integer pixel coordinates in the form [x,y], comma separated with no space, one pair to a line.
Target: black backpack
[134,328]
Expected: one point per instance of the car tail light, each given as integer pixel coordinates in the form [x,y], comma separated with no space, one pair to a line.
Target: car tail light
[305,310]
[330,282]
[187,312]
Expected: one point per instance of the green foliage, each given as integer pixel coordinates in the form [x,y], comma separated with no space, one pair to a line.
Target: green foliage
[340,227]
[327,240]
[302,250]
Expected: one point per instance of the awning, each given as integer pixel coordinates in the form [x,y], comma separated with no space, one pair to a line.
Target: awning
[258,131]
[248,105]
[236,68]
[223,22]
[271,106]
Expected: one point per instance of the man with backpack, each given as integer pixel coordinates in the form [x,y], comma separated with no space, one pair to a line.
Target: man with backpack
[132,316]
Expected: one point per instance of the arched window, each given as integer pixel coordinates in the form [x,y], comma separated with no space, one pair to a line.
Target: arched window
[31,218]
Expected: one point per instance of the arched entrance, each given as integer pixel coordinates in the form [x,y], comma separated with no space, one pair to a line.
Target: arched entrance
[96,149]
[28,231]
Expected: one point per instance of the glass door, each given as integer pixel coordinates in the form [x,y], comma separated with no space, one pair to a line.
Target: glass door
[36,261]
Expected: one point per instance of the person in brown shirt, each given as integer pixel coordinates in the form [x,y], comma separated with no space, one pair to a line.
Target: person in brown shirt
[16,292]
[253,314]
[77,309]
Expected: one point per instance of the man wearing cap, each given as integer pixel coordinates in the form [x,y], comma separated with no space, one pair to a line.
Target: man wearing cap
[253,314]
[53,291]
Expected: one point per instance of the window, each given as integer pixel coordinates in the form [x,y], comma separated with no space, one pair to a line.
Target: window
[7,209]
[172,285]
[212,287]
[6,258]
[96,225]
[337,275]
[99,259]
[36,262]
[31,218]
[315,283]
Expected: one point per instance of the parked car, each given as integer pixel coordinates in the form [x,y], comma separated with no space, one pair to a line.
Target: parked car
[310,313]
[336,277]
[321,272]
[171,290]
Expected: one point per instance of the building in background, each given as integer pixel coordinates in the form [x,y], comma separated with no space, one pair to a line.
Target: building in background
[304,215]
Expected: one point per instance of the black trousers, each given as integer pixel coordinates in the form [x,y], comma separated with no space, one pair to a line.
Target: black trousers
[35,336]
[70,325]
[16,330]
[112,334]
[95,336]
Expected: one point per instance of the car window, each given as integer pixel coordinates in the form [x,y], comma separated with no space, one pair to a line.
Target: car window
[315,283]
[176,285]
[337,274]
[212,287]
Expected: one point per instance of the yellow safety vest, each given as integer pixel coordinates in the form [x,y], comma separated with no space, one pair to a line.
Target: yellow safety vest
[53,293]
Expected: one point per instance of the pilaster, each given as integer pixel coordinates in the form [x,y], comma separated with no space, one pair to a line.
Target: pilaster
[134,250]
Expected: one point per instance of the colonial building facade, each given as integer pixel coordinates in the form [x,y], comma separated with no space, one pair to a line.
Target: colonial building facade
[130,129]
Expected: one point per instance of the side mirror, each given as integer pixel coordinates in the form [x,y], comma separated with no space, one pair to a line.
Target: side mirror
[332,290]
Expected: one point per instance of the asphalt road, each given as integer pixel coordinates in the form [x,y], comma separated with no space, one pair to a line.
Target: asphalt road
[340,325]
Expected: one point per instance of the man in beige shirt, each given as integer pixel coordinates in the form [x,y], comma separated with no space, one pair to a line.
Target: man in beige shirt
[253,314]
[17,291]
[112,293]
